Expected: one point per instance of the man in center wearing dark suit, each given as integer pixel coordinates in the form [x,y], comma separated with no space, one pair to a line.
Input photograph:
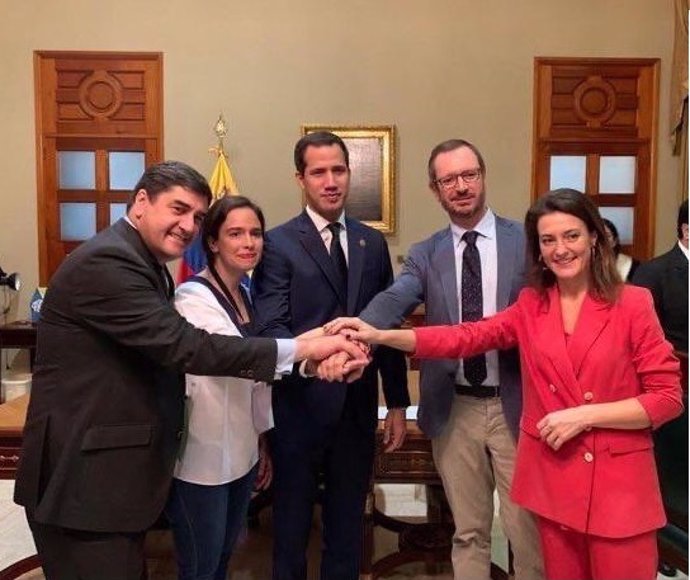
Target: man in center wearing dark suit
[316,266]
[469,408]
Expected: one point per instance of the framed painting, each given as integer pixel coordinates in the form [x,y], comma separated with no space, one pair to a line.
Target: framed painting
[372,165]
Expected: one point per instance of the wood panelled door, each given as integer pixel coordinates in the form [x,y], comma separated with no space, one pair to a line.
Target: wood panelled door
[595,125]
[99,123]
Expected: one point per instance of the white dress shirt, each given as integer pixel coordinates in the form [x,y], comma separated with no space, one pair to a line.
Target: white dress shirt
[488,256]
[321,224]
[226,414]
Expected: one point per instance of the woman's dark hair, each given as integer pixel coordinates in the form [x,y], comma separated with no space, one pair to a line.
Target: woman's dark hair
[216,217]
[616,238]
[606,282]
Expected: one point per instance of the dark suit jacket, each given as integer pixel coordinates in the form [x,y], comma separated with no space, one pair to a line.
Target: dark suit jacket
[429,276]
[106,408]
[667,278]
[295,289]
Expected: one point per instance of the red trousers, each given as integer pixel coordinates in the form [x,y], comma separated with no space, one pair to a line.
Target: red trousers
[571,555]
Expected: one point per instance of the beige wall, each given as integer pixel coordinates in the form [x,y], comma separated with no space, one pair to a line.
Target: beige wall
[435,69]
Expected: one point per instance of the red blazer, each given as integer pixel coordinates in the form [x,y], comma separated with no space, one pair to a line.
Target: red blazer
[603,481]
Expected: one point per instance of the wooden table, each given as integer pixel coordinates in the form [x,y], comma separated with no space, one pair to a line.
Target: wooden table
[12,419]
[21,334]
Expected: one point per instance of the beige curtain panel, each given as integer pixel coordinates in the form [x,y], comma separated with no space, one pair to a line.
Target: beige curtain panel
[679,93]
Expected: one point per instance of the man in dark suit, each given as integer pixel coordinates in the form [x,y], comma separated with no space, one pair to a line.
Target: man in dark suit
[106,411]
[469,408]
[317,266]
[667,278]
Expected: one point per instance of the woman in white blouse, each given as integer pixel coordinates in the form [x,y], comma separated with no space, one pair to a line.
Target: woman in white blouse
[222,457]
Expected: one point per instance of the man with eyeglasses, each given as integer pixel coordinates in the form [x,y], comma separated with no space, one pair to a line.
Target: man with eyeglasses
[469,408]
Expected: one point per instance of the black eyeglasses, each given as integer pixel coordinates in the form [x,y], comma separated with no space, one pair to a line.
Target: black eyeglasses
[450,181]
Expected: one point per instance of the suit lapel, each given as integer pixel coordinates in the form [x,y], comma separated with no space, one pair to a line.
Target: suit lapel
[567,359]
[507,255]
[679,261]
[444,263]
[313,244]
[169,283]
[554,338]
[164,281]
[593,318]
[356,248]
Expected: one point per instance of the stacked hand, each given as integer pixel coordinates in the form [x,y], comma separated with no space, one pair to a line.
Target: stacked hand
[331,368]
[332,358]
[395,424]
[340,367]
[353,328]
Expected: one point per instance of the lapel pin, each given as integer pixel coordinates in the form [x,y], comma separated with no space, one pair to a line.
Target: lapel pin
[362,243]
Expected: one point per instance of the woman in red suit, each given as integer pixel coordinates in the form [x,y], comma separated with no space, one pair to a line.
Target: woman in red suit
[597,377]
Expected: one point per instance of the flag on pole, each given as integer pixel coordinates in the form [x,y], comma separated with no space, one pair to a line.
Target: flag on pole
[221,183]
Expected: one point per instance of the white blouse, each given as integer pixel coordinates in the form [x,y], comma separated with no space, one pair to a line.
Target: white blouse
[225,414]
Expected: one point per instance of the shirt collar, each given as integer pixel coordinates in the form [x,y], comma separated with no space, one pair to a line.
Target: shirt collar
[485,228]
[321,222]
[683,249]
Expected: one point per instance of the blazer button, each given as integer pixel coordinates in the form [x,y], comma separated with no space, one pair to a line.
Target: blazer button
[588,396]
[589,457]
[552,388]
[250,374]
[243,374]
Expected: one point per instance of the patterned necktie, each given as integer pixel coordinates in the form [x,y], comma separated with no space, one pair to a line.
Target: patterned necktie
[338,256]
[472,304]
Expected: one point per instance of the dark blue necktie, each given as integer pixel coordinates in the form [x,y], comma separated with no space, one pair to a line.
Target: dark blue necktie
[338,256]
[472,304]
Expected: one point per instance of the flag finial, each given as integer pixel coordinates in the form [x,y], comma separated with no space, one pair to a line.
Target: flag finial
[221,130]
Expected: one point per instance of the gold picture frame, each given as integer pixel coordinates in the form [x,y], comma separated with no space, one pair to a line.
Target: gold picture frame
[372,164]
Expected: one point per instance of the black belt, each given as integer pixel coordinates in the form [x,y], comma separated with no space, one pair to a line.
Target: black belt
[481,392]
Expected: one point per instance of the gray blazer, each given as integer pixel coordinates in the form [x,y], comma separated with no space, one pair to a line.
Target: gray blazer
[429,276]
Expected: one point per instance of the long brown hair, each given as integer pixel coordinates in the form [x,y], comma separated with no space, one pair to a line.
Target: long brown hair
[606,282]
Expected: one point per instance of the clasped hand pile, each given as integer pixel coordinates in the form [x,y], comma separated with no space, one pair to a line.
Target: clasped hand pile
[348,365]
